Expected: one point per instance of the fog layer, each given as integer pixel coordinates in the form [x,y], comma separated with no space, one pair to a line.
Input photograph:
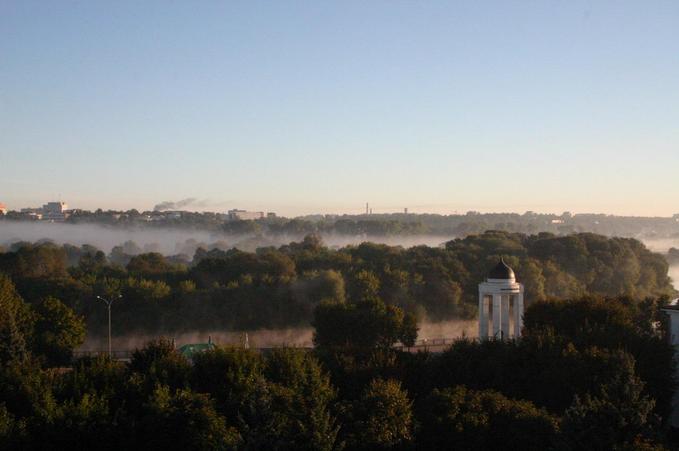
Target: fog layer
[302,337]
[171,241]
[674,274]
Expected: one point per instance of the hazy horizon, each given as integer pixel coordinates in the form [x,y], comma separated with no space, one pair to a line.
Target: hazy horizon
[397,149]
[311,107]
[293,212]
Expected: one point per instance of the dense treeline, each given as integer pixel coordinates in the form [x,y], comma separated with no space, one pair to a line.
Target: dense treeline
[280,287]
[461,225]
[588,374]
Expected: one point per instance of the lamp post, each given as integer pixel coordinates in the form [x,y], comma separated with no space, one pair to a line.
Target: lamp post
[108,306]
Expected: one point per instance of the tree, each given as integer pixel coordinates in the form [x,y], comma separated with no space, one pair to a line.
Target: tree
[85,423]
[57,332]
[366,324]
[302,399]
[95,376]
[459,418]
[151,265]
[230,375]
[613,324]
[614,417]
[91,260]
[12,342]
[184,420]
[320,286]
[16,322]
[11,431]
[40,261]
[123,253]
[280,402]
[381,419]
[365,286]
[544,369]
[241,227]
[25,389]
[160,363]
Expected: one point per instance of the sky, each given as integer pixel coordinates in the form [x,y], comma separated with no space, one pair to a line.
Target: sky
[319,107]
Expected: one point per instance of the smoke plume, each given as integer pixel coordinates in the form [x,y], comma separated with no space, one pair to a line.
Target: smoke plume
[169,205]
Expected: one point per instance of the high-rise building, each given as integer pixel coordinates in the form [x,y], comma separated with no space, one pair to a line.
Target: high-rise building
[54,211]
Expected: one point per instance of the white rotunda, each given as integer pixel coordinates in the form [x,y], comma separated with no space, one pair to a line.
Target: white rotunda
[500,303]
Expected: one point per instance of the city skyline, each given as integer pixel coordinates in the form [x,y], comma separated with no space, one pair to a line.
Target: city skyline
[317,108]
[204,206]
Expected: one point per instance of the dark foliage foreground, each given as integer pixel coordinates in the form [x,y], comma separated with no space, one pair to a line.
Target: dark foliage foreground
[590,374]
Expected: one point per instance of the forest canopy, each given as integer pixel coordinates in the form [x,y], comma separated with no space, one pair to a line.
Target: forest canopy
[593,369]
[280,287]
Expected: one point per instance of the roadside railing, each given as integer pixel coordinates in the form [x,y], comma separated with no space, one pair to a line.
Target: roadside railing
[115,355]
[425,344]
[432,344]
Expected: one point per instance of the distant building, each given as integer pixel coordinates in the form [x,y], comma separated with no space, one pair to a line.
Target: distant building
[31,213]
[243,215]
[54,211]
[55,207]
[3,209]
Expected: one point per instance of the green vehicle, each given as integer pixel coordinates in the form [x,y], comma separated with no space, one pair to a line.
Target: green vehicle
[189,350]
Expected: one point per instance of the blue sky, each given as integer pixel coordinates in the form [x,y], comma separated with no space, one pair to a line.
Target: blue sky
[319,106]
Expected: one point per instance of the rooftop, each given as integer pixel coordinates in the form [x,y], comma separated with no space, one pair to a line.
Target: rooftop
[502,271]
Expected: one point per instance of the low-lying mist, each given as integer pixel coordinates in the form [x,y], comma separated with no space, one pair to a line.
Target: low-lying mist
[266,338]
[448,329]
[674,274]
[257,339]
[661,245]
[104,238]
[172,241]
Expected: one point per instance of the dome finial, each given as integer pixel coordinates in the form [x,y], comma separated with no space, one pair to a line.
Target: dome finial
[502,271]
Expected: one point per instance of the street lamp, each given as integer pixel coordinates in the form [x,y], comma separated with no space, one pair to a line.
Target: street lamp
[108,305]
